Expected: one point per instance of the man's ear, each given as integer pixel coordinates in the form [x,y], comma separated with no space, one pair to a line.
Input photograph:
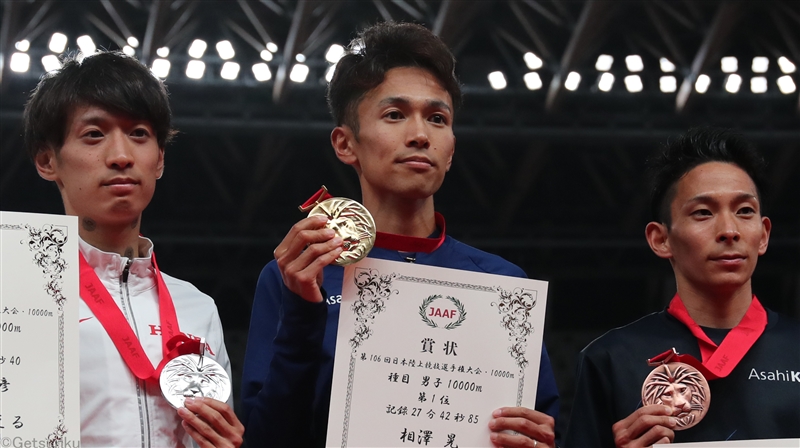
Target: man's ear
[342,138]
[45,164]
[657,236]
[160,167]
[450,159]
[766,228]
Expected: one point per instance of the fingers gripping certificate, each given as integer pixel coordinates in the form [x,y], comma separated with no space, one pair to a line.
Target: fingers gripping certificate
[425,354]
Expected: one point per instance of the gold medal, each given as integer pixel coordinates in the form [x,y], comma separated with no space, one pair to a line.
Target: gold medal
[351,221]
[679,386]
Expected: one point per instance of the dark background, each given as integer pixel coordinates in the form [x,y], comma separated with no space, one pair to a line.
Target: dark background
[550,179]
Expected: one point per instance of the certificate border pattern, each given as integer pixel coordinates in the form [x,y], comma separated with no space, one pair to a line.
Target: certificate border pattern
[47,246]
[516,306]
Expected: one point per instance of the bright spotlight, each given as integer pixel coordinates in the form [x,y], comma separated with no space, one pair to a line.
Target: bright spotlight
[225,49]
[127,49]
[532,81]
[133,42]
[532,61]
[573,81]
[786,65]
[58,43]
[230,70]
[334,53]
[197,48]
[634,63]
[633,83]
[299,73]
[161,68]
[702,83]
[733,82]
[606,82]
[272,47]
[329,73]
[786,85]
[261,72]
[20,62]
[300,57]
[666,65]
[163,52]
[195,69]
[86,44]
[668,84]
[497,80]
[729,64]
[23,45]
[51,63]
[266,55]
[604,63]
[758,84]
[760,64]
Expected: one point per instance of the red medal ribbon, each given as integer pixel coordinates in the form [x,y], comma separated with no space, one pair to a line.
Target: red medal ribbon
[405,243]
[718,361]
[99,300]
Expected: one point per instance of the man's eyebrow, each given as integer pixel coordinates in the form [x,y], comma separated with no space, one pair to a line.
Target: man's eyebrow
[702,198]
[439,104]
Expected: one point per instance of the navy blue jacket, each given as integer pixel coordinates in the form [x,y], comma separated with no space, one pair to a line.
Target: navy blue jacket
[288,366]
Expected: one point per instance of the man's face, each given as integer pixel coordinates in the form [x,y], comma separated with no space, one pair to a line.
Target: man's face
[405,142]
[107,168]
[717,231]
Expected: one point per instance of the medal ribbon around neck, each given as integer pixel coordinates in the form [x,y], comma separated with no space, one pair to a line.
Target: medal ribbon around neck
[173,342]
[718,361]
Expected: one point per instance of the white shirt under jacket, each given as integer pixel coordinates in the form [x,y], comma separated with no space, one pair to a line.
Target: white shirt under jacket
[118,409]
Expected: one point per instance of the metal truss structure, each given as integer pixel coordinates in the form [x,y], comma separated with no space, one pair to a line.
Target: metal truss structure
[551,179]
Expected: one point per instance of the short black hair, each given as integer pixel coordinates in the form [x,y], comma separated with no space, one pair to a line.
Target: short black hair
[377,50]
[694,148]
[110,80]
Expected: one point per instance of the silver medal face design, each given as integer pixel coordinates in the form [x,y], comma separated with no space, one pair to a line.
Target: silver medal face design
[353,223]
[681,387]
[194,376]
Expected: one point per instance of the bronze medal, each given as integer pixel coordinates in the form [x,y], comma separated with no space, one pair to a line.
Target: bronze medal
[679,386]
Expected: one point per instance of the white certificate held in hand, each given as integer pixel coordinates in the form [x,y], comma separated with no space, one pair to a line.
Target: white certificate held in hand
[425,354]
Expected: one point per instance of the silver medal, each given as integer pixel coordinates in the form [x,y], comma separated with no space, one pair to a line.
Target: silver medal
[194,376]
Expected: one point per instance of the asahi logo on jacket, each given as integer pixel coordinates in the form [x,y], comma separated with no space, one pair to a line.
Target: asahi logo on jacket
[775,375]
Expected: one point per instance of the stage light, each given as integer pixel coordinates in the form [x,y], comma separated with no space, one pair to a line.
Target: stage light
[133,42]
[573,81]
[634,63]
[532,61]
[532,81]
[20,62]
[786,85]
[58,43]
[197,48]
[666,65]
[261,72]
[633,83]
[163,52]
[225,49]
[604,63]
[300,57]
[606,82]
[668,84]
[733,82]
[127,49]
[760,64]
[230,70]
[299,73]
[786,65]
[195,69]
[334,53]
[161,68]
[758,84]
[702,84]
[272,47]
[266,55]
[51,63]
[329,73]
[87,46]
[729,64]
[23,45]
[497,80]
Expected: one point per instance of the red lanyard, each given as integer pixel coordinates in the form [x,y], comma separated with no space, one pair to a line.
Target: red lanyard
[174,343]
[719,361]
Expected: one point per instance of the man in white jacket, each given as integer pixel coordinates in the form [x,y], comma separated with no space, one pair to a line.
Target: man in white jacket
[98,128]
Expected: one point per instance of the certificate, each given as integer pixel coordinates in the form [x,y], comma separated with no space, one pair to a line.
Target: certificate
[39,361]
[425,354]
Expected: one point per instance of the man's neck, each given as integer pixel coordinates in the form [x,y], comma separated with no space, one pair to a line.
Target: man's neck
[402,217]
[122,240]
[716,309]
